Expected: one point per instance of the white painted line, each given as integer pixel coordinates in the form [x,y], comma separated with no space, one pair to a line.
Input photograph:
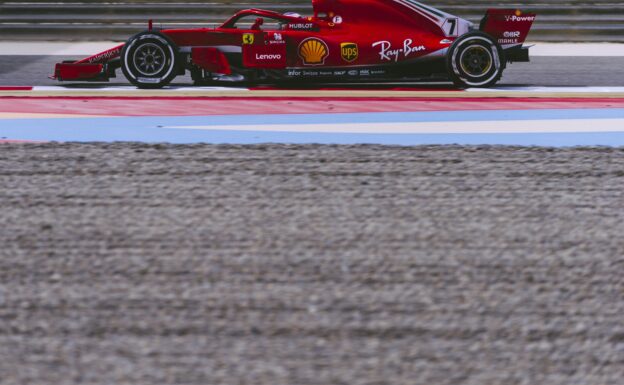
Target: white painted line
[577,49]
[77,50]
[84,49]
[131,89]
[563,90]
[36,115]
[476,127]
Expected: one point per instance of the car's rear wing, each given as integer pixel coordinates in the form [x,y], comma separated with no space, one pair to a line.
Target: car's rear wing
[510,28]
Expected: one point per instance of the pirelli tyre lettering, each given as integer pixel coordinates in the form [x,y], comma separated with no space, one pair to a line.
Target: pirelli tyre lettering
[149,60]
[475,60]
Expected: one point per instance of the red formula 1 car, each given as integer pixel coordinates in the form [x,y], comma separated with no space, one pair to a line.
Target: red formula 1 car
[345,40]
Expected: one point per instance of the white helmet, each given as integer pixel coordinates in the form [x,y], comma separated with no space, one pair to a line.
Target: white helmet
[292,14]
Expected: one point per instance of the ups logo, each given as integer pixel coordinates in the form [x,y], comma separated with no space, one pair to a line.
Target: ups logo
[349,52]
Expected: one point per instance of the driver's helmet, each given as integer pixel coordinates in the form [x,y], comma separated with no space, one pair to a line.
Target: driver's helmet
[293,14]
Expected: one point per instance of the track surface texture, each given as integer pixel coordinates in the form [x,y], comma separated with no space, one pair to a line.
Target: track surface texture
[542,71]
[160,264]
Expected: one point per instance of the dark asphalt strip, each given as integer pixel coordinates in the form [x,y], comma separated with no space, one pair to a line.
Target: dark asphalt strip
[542,71]
[160,264]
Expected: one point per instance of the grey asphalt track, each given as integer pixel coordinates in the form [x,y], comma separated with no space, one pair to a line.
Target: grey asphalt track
[158,264]
[542,71]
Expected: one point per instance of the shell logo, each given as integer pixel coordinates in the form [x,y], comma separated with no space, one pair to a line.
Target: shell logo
[313,51]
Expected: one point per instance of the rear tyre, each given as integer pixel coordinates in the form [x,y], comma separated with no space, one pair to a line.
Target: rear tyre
[149,60]
[475,60]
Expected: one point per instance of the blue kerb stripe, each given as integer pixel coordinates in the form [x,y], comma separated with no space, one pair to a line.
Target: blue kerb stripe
[369,117]
[152,129]
[612,139]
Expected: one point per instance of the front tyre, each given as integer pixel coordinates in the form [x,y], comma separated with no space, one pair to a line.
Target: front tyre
[475,60]
[149,60]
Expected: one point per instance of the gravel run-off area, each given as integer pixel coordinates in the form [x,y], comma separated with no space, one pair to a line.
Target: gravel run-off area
[294,265]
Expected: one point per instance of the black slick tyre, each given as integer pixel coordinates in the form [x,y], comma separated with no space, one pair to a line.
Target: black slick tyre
[475,60]
[149,60]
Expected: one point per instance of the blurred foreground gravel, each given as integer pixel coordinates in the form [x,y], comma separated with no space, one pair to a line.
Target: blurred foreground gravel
[158,264]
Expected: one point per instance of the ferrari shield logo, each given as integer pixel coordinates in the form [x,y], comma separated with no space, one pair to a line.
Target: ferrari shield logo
[248,38]
[349,52]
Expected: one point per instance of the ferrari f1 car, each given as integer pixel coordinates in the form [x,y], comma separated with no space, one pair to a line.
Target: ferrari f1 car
[345,40]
